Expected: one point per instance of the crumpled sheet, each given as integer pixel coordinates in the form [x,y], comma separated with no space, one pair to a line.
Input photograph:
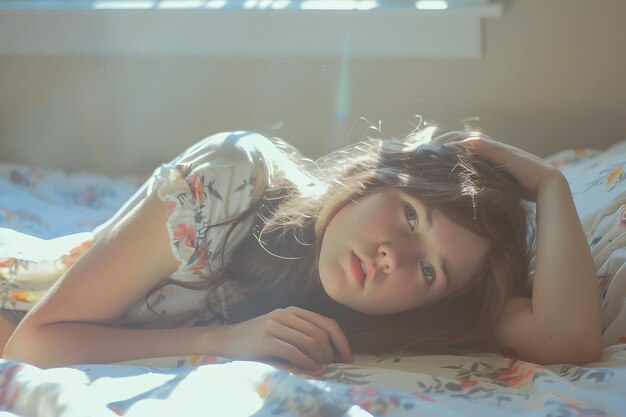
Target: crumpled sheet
[483,385]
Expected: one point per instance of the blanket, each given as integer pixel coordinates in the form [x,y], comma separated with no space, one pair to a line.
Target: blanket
[482,385]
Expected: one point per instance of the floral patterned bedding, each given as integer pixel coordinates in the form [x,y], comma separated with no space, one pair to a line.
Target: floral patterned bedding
[46,217]
[51,203]
[482,385]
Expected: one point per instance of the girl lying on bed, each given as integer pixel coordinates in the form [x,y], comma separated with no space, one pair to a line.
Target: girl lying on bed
[241,248]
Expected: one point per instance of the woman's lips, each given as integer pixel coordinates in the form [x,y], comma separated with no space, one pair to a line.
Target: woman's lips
[355,267]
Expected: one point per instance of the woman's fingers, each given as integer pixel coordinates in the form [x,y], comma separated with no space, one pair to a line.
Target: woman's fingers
[307,337]
[528,169]
[332,329]
[312,333]
[287,351]
[301,337]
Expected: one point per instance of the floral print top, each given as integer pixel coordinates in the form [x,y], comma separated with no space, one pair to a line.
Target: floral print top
[211,182]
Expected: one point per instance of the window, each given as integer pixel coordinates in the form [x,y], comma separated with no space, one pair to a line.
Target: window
[357,28]
[481,6]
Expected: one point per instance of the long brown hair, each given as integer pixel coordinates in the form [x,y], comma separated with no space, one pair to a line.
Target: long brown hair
[277,264]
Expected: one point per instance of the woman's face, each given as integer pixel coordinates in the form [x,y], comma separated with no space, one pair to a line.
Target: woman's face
[386,253]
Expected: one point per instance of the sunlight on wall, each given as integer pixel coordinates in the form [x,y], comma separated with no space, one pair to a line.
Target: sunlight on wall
[123,4]
[431,5]
[339,5]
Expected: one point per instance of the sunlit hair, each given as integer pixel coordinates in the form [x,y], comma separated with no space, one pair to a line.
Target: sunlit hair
[277,266]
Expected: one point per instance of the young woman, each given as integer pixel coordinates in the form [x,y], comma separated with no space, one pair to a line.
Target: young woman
[241,248]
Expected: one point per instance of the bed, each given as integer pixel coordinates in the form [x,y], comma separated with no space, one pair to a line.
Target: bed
[46,219]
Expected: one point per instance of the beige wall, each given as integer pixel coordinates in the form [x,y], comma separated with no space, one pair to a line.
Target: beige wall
[552,75]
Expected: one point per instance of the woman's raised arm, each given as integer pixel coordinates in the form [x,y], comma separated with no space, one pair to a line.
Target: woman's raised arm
[561,324]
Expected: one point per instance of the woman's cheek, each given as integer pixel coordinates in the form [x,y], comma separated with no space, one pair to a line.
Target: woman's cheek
[331,284]
[403,297]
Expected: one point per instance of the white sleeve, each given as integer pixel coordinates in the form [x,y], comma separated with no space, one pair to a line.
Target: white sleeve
[211,182]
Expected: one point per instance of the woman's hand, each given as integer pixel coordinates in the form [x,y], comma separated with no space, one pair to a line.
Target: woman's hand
[529,170]
[304,338]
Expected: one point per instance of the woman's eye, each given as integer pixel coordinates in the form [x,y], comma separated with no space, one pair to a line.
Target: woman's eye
[429,272]
[411,216]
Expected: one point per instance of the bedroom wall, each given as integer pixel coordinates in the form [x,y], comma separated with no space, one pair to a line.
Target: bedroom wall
[551,76]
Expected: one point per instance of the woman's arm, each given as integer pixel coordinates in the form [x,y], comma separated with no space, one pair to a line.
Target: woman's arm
[67,326]
[72,323]
[562,322]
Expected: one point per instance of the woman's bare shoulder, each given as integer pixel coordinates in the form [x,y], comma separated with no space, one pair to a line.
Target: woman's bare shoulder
[123,266]
[522,332]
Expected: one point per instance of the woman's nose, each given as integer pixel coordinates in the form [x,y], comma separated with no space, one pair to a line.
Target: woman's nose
[388,257]
[393,255]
